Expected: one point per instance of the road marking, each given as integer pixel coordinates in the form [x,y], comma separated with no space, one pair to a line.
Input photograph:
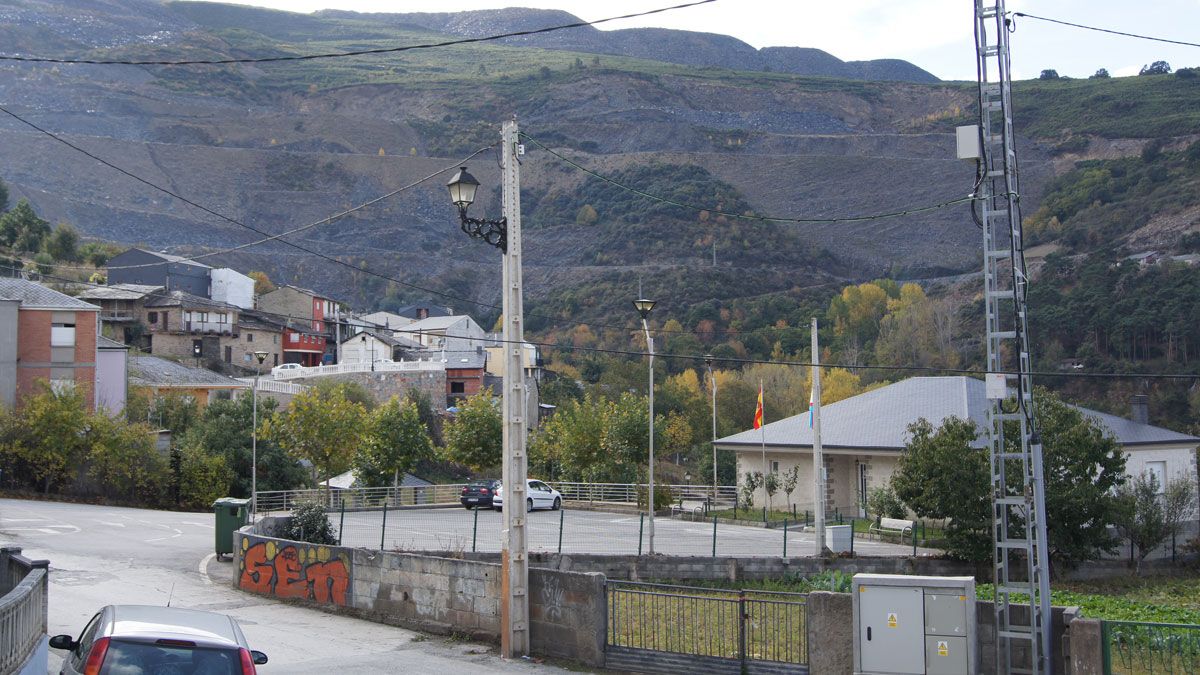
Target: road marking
[207,525]
[110,523]
[177,534]
[49,529]
[204,568]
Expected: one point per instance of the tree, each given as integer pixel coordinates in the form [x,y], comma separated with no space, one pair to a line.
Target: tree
[1048,74]
[474,438]
[203,477]
[791,479]
[395,440]
[882,502]
[1148,516]
[51,434]
[1100,74]
[943,473]
[751,482]
[3,197]
[586,215]
[124,462]
[262,283]
[771,485]
[321,426]
[21,229]
[224,430]
[63,243]
[1156,68]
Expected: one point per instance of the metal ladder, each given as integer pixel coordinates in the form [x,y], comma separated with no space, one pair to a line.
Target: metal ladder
[1018,498]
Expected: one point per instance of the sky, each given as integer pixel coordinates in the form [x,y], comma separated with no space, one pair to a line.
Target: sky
[933,34]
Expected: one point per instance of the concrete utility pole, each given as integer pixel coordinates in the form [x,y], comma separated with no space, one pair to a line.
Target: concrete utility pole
[514,604]
[712,378]
[818,456]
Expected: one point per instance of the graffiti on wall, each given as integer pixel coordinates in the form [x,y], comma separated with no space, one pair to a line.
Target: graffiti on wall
[295,570]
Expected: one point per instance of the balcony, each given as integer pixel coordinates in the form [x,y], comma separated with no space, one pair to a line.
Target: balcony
[117,315]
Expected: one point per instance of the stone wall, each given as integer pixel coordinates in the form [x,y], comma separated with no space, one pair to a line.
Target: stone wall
[384,385]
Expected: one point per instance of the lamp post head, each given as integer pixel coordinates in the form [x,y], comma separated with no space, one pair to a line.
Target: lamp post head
[462,189]
[708,360]
[643,306]
[261,356]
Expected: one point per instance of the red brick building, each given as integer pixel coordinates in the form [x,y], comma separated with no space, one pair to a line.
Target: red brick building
[45,335]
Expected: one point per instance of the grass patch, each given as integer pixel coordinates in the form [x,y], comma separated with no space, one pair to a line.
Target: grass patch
[1154,599]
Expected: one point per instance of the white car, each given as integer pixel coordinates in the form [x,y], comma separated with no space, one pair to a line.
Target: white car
[286,368]
[539,496]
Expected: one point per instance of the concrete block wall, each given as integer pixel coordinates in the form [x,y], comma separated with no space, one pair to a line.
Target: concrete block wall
[568,615]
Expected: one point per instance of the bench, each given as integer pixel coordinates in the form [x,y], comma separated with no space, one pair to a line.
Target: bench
[693,506]
[896,526]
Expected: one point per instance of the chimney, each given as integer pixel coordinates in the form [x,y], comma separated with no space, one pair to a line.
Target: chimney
[1139,409]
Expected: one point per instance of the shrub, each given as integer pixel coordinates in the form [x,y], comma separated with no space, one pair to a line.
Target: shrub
[310,523]
[663,497]
[882,502]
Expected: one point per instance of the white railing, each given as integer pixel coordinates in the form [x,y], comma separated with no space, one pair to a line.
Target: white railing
[627,493]
[358,367]
[614,493]
[355,498]
[23,609]
[265,384]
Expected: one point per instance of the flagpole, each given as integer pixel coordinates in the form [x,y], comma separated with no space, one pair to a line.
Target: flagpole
[818,457]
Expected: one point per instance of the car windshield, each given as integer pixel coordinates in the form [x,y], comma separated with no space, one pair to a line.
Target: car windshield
[141,658]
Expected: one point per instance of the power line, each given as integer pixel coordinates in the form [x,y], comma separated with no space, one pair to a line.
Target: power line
[773,219]
[360,52]
[1106,30]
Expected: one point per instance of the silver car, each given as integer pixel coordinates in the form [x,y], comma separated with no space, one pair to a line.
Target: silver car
[151,640]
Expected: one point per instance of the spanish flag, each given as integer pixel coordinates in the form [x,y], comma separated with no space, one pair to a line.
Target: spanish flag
[758,412]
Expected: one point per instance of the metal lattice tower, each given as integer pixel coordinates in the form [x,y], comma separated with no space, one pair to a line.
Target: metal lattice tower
[1018,497]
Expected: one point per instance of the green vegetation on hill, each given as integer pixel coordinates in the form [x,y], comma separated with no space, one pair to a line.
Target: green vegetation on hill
[1157,106]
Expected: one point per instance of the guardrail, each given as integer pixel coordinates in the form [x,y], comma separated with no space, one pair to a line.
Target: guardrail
[23,608]
[617,493]
[356,498]
[358,367]
[265,384]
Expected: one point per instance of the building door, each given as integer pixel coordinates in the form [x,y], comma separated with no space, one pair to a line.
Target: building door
[862,490]
[228,354]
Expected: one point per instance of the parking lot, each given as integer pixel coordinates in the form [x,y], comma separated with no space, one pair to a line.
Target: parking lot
[581,532]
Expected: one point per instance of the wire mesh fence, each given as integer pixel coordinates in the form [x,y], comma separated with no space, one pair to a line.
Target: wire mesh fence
[582,532]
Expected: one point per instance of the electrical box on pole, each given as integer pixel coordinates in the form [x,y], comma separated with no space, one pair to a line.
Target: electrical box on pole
[1018,519]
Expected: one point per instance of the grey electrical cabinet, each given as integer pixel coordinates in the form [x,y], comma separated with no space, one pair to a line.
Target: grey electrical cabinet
[914,625]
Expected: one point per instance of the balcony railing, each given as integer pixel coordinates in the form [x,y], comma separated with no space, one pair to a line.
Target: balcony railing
[379,366]
[23,608]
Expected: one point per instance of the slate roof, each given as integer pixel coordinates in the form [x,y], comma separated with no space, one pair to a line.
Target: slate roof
[119,292]
[172,258]
[433,323]
[185,299]
[152,371]
[105,343]
[464,360]
[347,480]
[36,296]
[386,338]
[879,419]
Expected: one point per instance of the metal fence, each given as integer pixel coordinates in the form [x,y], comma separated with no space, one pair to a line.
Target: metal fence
[733,625]
[358,367]
[360,498]
[1137,648]
[627,493]
[23,608]
[571,531]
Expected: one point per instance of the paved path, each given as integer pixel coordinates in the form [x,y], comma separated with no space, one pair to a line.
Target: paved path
[582,532]
[105,555]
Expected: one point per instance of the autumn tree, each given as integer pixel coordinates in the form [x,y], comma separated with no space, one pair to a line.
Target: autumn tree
[395,440]
[262,282]
[321,426]
[474,437]
[124,462]
[49,436]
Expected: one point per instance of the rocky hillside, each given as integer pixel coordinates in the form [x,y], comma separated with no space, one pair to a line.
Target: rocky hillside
[278,145]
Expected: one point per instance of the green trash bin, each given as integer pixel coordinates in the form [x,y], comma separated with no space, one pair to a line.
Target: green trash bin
[231,515]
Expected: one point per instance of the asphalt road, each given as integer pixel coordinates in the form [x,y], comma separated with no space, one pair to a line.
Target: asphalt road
[582,532]
[107,555]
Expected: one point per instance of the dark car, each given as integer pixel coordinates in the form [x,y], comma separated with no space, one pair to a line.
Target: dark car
[151,640]
[479,493]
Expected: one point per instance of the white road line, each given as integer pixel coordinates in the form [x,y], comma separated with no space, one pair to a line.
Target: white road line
[204,568]
[110,523]
[177,534]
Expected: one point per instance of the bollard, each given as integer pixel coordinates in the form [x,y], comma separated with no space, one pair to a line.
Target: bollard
[852,537]
[735,509]
[561,515]
[914,532]
[806,517]
[793,511]
[474,529]
[342,522]
[785,537]
[641,524]
[837,516]
[764,514]
[383,530]
[714,537]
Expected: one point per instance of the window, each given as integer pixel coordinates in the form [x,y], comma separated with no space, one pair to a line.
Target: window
[222,317]
[228,354]
[61,386]
[274,360]
[293,338]
[774,467]
[274,339]
[249,337]
[458,388]
[62,335]
[203,317]
[1159,471]
[153,317]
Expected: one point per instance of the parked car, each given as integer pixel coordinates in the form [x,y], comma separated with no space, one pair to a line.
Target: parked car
[151,640]
[479,493]
[286,368]
[540,496]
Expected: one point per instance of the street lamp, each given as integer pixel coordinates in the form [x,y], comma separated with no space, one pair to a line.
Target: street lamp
[643,307]
[708,361]
[260,356]
[505,234]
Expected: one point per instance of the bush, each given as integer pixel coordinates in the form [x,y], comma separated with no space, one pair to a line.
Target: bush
[663,497]
[310,523]
[882,502]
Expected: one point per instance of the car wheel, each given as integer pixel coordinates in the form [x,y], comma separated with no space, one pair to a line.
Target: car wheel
[557,503]
[529,504]
[498,508]
[467,507]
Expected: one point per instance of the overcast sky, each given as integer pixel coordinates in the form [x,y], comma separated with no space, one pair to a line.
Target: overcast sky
[933,34]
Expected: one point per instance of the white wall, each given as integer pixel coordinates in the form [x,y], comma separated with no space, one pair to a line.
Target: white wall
[233,287]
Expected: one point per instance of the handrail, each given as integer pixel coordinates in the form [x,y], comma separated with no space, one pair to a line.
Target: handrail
[23,609]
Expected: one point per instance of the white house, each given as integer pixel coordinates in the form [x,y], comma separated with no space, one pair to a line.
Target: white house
[451,333]
[369,346]
[232,287]
[862,438]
